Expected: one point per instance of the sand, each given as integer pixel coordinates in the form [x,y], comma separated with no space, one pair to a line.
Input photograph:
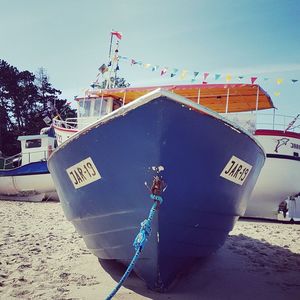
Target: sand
[42,257]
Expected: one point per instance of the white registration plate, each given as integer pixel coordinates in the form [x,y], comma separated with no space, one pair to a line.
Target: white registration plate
[83,173]
[236,170]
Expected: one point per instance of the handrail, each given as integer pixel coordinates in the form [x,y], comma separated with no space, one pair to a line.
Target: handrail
[9,161]
[277,122]
[15,161]
[72,123]
[265,121]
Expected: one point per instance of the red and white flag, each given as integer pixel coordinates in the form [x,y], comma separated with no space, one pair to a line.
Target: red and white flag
[117,34]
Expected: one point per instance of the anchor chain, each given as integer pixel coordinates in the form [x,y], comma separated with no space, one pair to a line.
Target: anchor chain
[158,186]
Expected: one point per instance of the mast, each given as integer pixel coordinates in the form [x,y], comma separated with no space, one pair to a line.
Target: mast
[112,61]
[108,83]
[109,53]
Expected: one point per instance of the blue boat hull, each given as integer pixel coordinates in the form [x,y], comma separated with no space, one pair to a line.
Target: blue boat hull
[200,207]
[30,182]
[34,168]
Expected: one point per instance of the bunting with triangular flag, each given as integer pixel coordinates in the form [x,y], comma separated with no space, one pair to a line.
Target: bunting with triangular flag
[183,74]
[194,74]
[117,34]
[103,68]
[174,72]
[217,76]
[228,77]
[163,71]
[253,79]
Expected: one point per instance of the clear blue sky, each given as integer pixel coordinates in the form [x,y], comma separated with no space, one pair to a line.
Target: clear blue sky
[70,39]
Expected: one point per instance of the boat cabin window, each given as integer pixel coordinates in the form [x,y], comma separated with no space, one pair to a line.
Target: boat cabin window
[94,107]
[98,107]
[36,143]
[84,108]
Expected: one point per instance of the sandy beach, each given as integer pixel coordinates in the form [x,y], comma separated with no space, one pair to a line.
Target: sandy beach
[42,257]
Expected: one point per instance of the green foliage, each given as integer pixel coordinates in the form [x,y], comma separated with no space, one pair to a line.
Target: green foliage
[25,100]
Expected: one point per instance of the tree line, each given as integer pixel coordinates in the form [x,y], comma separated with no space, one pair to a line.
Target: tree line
[27,102]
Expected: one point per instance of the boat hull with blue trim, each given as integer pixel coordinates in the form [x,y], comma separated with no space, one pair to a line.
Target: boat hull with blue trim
[279,179]
[30,182]
[104,172]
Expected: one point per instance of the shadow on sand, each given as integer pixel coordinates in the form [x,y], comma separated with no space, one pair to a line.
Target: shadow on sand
[244,268]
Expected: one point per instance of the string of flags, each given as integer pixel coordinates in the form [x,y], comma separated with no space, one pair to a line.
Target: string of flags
[203,77]
[195,75]
[184,74]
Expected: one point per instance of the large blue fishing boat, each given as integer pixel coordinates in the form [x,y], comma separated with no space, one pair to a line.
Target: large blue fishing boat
[162,144]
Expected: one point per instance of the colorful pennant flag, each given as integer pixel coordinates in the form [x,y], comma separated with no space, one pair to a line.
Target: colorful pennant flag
[253,79]
[205,75]
[174,72]
[133,62]
[154,68]
[276,94]
[228,78]
[279,81]
[103,69]
[163,71]
[117,34]
[115,58]
[217,76]
[183,74]
[196,73]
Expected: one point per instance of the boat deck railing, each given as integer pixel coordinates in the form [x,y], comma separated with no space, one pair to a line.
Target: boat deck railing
[278,122]
[69,123]
[74,123]
[11,162]
[252,121]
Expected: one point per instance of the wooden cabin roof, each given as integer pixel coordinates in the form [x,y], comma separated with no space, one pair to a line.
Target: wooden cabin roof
[242,97]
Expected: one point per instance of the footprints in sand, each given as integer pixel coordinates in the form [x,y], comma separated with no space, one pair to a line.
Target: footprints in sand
[38,250]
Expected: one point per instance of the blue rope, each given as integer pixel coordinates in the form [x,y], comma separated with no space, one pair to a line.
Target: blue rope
[139,242]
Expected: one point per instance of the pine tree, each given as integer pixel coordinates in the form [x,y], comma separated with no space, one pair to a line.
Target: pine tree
[25,100]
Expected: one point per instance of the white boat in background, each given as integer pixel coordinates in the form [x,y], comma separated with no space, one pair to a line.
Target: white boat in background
[275,195]
[25,176]
[279,181]
[89,109]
